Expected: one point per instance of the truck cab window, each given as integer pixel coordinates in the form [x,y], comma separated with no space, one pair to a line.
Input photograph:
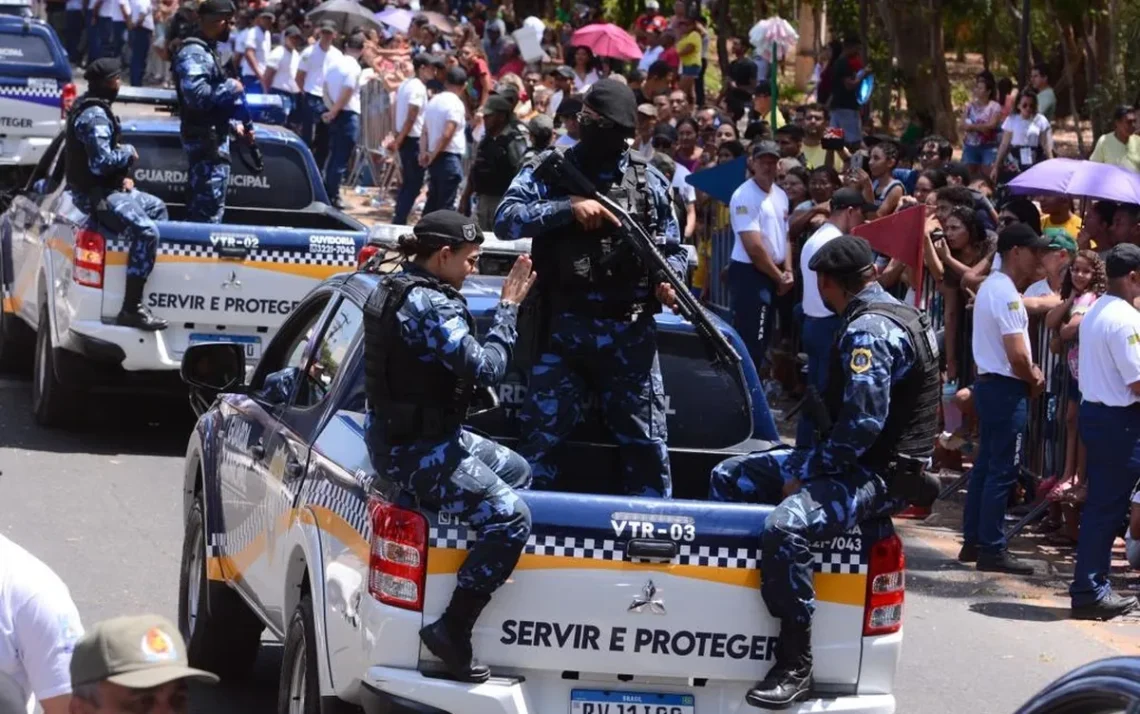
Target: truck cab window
[331,354]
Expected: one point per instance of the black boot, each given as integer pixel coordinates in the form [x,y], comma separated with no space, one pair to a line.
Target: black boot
[449,637]
[134,313]
[789,680]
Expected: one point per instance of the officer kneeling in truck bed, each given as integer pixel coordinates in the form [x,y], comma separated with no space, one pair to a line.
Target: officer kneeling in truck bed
[96,173]
[877,422]
[422,367]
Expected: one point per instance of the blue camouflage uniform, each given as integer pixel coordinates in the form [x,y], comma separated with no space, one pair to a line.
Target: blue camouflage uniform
[132,214]
[837,489]
[462,474]
[208,103]
[617,356]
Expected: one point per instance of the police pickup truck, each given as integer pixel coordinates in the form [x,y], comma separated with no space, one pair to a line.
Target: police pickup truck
[619,605]
[63,274]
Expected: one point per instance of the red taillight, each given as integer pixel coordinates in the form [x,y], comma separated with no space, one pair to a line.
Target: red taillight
[90,253]
[365,253]
[886,586]
[66,99]
[397,565]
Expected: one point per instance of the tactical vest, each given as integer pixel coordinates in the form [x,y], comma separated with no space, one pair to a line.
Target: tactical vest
[490,175]
[198,125]
[413,398]
[572,262]
[912,423]
[77,164]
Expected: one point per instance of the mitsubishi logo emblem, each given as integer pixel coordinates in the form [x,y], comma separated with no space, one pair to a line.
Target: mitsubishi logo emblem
[233,281]
[647,599]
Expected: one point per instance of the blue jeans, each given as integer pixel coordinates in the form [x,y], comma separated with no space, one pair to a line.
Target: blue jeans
[1112,439]
[342,140]
[750,295]
[76,21]
[818,337]
[315,132]
[118,40]
[1002,404]
[251,83]
[413,175]
[444,176]
[140,48]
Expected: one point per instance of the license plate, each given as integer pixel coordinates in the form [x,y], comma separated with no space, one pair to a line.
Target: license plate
[601,701]
[251,344]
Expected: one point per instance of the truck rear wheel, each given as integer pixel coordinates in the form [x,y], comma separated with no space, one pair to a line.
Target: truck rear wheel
[53,404]
[299,691]
[222,635]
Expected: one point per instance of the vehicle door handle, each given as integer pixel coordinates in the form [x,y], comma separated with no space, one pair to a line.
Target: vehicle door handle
[650,549]
[258,450]
[232,251]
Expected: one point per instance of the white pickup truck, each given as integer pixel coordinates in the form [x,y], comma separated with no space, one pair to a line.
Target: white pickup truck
[619,605]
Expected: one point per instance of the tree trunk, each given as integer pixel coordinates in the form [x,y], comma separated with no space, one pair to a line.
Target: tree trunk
[915,30]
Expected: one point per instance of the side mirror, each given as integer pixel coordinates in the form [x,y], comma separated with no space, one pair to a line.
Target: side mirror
[214,366]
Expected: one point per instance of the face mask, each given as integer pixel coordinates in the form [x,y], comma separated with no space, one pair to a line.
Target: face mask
[602,145]
[103,92]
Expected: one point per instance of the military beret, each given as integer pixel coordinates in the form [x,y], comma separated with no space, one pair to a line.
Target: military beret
[216,7]
[614,101]
[447,227]
[103,69]
[1121,260]
[844,255]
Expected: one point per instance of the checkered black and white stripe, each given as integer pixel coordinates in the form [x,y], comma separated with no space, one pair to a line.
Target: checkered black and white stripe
[350,506]
[571,547]
[839,562]
[38,91]
[737,558]
[284,257]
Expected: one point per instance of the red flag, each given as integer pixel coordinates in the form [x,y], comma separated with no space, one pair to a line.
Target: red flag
[900,236]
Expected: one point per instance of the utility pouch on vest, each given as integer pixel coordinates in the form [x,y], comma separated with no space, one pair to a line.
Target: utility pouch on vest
[211,143]
[535,314]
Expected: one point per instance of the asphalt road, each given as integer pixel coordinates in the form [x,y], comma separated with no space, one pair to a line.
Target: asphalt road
[102,507]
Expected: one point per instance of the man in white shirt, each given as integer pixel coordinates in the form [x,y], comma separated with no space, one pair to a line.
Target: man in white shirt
[280,75]
[110,28]
[445,142]
[761,265]
[411,98]
[255,51]
[342,97]
[140,21]
[39,627]
[568,112]
[1007,380]
[821,325]
[311,81]
[1109,422]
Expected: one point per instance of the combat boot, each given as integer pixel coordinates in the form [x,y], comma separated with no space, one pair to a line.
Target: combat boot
[789,681]
[449,637]
[134,313]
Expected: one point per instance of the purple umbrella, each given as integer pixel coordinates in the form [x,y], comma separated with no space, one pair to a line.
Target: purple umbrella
[395,17]
[1085,179]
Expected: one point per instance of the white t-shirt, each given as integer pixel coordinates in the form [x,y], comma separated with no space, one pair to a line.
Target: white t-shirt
[340,75]
[284,62]
[1040,288]
[142,12]
[688,191]
[112,9]
[442,108]
[650,56]
[412,93]
[259,41]
[314,60]
[581,84]
[1027,132]
[237,41]
[998,311]
[39,625]
[813,303]
[1109,359]
[754,210]
[555,100]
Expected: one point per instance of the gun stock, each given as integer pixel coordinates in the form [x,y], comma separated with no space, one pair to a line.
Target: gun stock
[257,160]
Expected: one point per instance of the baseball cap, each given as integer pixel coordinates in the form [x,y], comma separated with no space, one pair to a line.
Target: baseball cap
[1019,235]
[327,26]
[851,198]
[137,652]
[564,72]
[267,13]
[1059,239]
[569,107]
[765,148]
[664,131]
[216,7]
[1121,260]
[842,255]
[497,104]
[647,109]
[456,77]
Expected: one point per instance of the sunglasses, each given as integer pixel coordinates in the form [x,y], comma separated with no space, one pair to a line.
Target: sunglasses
[584,118]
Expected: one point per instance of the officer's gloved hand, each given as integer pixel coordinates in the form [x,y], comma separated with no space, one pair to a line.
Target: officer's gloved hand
[234,86]
[133,150]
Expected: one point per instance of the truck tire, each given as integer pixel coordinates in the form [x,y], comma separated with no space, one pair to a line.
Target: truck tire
[17,344]
[299,691]
[53,404]
[222,635]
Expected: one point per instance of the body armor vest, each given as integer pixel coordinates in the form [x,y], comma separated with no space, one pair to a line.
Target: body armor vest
[575,261]
[415,399]
[912,423]
[77,164]
[200,125]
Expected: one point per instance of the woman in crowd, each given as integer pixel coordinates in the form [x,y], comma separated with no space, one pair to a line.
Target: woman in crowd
[877,183]
[687,153]
[1027,138]
[552,46]
[961,245]
[980,121]
[822,182]
[584,73]
[795,185]
[925,186]
[1096,231]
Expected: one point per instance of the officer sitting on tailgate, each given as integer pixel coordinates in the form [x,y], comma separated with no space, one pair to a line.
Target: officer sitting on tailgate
[882,400]
[97,178]
[207,100]
[422,367]
[597,300]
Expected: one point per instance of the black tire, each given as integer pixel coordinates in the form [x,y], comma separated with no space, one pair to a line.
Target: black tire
[17,344]
[300,659]
[53,404]
[224,636]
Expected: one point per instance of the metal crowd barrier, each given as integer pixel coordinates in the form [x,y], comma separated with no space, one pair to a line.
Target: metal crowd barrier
[377,122]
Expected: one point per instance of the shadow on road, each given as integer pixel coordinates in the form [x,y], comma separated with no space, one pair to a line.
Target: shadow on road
[257,695]
[1020,611]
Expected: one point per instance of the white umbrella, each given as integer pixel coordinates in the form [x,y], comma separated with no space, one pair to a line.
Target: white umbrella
[773,31]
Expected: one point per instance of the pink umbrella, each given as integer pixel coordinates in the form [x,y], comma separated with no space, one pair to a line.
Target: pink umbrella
[607,41]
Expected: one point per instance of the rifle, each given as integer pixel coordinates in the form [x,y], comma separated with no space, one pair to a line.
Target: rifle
[555,170]
[257,161]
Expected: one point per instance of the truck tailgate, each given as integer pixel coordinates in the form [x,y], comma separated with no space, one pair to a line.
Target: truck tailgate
[580,601]
[229,281]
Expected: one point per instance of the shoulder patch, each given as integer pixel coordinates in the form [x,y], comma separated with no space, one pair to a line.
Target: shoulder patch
[860,360]
[742,210]
[1134,339]
[1014,306]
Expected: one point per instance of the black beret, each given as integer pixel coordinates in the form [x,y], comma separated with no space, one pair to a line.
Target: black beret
[216,7]
[456,77]
[447,228]
[614,101]
[1121,260]
[103,69]
[844,255]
